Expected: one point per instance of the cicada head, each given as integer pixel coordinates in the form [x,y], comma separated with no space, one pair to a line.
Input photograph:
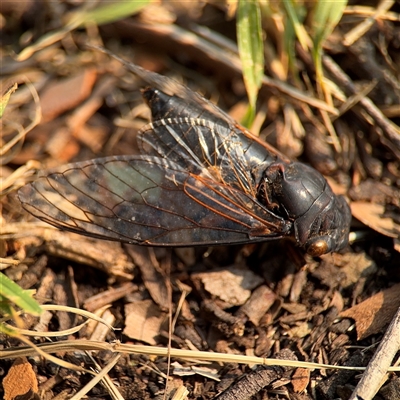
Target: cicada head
[330,229]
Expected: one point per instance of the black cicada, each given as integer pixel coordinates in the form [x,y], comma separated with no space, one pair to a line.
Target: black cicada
[202,179]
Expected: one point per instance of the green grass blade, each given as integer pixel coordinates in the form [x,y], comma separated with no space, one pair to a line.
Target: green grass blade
[251,51]
[109,12]
[325,17]
[296,13]
[10,292]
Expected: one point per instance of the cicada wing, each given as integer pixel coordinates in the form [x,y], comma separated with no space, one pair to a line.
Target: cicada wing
[146,200]
[192,101]
[171,101]
[229,156]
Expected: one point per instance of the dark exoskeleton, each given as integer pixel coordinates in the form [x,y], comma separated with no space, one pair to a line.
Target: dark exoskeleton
[202,179]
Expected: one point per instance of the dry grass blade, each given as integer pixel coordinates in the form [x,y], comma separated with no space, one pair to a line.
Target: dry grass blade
[19,178]
[390,129]
[117,347]
[36,120]
[364,26]
[8,261]
[102,376]
[53,307]
[102,14]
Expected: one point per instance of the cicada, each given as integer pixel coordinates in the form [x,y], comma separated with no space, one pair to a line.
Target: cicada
[201,179]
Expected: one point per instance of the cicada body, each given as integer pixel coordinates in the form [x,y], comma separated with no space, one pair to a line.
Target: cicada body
[202,179]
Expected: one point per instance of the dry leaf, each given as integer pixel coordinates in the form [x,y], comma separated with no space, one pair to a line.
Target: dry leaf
[153,280]
[355,267]
[20,380]
[337,301]
[300,331]
[143,321]
[371,214]
[230,285]
[180,370]
[372,315]
[66,94]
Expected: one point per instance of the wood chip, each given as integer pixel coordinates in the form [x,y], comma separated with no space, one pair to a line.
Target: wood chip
[62,146]
[109,296]
[20,380]
[180,370]
[104,255]
[300,379]
[258,304]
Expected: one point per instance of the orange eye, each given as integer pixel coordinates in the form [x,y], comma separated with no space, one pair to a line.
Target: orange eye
[318,248]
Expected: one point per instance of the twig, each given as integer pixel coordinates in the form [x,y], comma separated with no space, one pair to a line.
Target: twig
[391,130]
[373,376]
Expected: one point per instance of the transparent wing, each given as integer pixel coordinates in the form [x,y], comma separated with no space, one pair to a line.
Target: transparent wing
[147,200]
[192,130]
[224,144]
[197,104]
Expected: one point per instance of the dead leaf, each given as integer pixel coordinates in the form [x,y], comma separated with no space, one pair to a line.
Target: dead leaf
[153,279]
[66,94]
[301,330]
[371,214]
[372,315]
[180,370]
[337,301]
[232,285]
[143,321]
[355,266]
[20,380]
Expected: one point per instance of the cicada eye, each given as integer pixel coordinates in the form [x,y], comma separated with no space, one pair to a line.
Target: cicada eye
[318,247]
